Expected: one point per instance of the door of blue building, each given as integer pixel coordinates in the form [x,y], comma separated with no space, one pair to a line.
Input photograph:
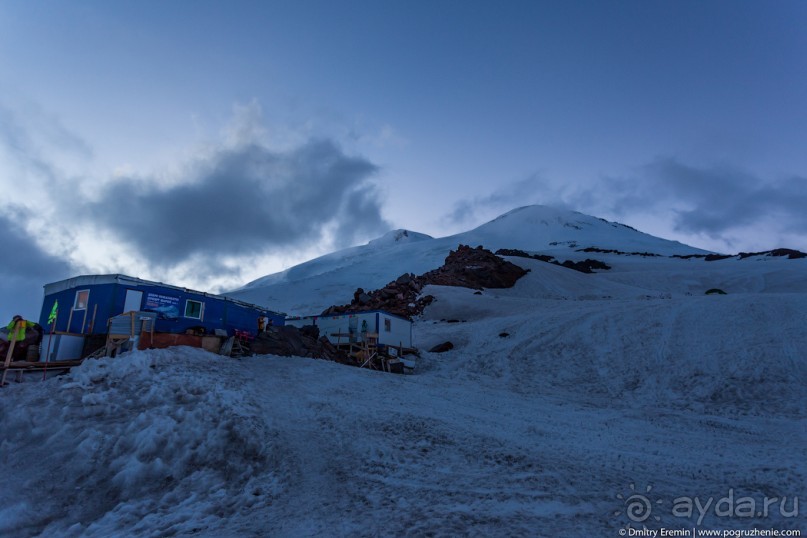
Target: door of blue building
[134,299]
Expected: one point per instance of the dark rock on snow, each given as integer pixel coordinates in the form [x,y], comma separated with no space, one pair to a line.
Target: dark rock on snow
[586,266]
[789,252]
[442,348]
[715,291]
[521,254]
[474,268]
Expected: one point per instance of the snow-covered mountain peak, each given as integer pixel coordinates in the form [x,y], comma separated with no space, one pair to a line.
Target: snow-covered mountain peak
[541,213]
[540,228]
[399,236]
[331,279]
[553,219]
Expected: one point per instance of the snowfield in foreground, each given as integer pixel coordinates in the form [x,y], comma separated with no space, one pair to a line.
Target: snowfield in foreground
[600,388]
[564,399]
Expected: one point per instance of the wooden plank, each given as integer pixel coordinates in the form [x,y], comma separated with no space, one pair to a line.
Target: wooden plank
[227,347]
[12,340]
[92,323]
[26,365]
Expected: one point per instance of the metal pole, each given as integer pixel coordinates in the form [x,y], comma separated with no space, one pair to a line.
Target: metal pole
[50,340]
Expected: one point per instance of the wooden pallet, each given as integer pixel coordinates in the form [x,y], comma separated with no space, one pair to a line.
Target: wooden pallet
[21,367]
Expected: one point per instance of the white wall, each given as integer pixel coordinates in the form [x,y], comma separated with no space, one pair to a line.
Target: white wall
[400,332]
[63,347]
[400,329]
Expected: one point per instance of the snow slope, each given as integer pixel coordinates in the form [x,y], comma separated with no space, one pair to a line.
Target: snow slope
[312,286]
[596,385]
[562,397]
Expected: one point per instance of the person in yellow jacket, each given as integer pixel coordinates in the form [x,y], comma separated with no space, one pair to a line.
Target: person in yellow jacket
[16,332]
[24,333]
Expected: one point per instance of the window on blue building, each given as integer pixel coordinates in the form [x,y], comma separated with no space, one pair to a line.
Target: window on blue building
[82,300]
[193,309]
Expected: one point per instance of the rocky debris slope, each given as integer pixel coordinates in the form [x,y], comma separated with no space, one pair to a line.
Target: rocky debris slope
[789,252]
[467,267]
[288,341]
[400,297]
[585,266]
[622,253]
[778,252]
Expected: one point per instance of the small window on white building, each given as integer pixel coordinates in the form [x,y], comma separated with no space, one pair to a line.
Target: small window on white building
[193,309]
[82,299]
[387,324]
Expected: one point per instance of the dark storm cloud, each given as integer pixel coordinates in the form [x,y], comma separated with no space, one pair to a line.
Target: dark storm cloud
[716,199]
[21,253]
[247,200]
[359,216]
[24,268]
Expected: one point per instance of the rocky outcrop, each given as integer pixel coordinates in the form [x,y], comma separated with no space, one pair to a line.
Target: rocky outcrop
[474,268]
[620,252]
[287,340]
[467,267]
[400,297]
[777,252]
[442,348]
[585,266]
[522,254]
[789,252]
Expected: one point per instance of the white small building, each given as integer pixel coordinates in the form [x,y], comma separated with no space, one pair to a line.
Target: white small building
[392,330]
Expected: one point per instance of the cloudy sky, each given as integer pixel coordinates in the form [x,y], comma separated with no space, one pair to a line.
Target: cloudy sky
[207,143]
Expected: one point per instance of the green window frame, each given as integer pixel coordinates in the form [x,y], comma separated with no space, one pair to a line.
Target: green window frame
[194,309]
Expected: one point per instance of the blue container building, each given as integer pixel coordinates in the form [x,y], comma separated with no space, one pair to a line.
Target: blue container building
[87,302]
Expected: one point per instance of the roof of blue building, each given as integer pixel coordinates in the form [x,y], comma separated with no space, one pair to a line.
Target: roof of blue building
[92,280]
